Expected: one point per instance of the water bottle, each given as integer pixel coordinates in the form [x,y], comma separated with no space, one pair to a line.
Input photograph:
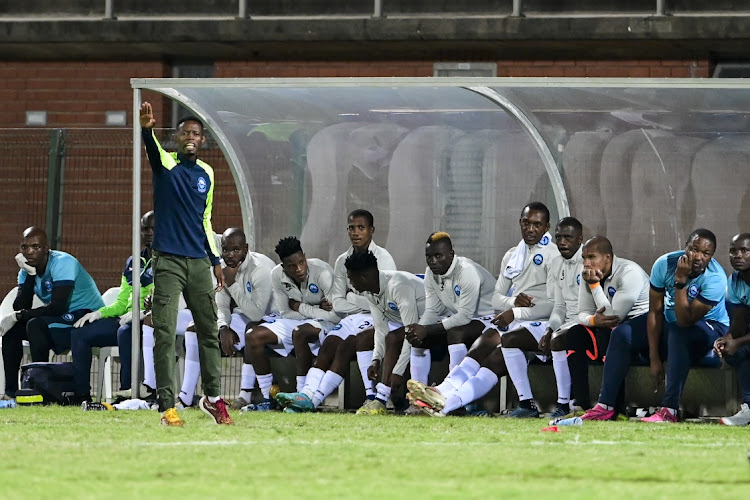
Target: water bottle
[8,403]
[575,421]
[93,406]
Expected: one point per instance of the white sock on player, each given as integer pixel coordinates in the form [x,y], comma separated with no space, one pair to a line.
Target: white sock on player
[458,375]
[364,360]
[471,390]
[456,353]
[518,369]
[265,382]
[329,383]
[312,381]
[192,368]
[149,372]
[384,392]
[420,360]
[300,382]
[562,375]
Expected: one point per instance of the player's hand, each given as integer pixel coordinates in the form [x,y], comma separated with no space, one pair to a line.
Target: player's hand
[684,266]
[415,334]
[504,319]
[294,304]
[545,343]
[374,370]
[7,323]
[228,338]
[219,274]
[126,318]
[605,321]
[147,116]
[726,345]
[88,318]
[230,275]
[656,372]
[592,276]
[148,303]
[325,305]
[23,264]
[523,300]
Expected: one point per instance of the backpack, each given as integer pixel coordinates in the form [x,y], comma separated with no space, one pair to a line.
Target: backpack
[54,381]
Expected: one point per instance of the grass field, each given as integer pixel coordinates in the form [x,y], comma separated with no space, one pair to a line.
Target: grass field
[54,452]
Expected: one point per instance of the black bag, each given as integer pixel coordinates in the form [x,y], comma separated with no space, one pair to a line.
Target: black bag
[54,381]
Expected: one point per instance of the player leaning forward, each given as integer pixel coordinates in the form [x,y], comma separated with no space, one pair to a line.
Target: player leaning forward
[184,254]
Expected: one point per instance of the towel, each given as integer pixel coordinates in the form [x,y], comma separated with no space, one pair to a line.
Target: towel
[516,262]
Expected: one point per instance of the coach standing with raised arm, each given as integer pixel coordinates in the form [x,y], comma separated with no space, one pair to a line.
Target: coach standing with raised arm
[184,253]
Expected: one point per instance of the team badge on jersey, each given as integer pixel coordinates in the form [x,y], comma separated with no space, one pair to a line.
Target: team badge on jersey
[202,185]
[249,287]
[538,259]
[68,317]
[313,288]
[392,306]
[611,290]
[544,241]
[536,323]
[47,285]
[692,291]
[337,327]
[457,289]
[578,279]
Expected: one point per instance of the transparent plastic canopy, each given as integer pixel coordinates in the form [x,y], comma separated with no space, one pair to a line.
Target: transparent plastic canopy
[641,161]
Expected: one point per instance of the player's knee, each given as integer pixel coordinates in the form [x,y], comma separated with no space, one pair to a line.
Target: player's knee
[558,343]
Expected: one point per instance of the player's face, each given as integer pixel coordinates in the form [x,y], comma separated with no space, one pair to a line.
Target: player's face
[533,226]
[568,240]
[439,257]
[147,231]
[363,281]
[702,250]
[739,253]
[295,266]
[35,249]
[360,232]
[596,261]
[189,138]
[233,251]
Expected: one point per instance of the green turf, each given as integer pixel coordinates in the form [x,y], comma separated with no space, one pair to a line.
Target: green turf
[53,452]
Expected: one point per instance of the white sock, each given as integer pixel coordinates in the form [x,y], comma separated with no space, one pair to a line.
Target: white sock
[384,392]
[265,382]
[364,360]
[213,399]
[300,382]
[312,381]
[329,383]
[673,411]
[471,390]
[458,375]
[149,373]
[192,368]
[562,375]
[420,360]
[247,381]
[515,361]
[456,352]
[246,395]
[606,407]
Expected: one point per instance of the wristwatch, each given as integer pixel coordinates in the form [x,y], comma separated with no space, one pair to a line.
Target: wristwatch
[679,285]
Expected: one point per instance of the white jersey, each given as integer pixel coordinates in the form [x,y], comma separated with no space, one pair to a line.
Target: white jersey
[309,293]
[623,293]
[565,286]
[401,300]
[532,280]
[251,290]
[345,300]
[463,293]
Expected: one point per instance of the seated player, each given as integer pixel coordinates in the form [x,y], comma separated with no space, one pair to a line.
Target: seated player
[395,298]
[69,293]
[612,306]
[521,295]
[300,287]
[734,347]
[122,308]
[458,305]
[567,270]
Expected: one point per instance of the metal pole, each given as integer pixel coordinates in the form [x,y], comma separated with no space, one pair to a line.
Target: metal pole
[377,8]
[659,7]
[242,14]
[109,9]
[135,361]
[54,187]
[517,8]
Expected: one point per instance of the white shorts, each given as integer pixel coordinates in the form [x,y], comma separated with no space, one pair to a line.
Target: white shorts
[352,325]
[536,328]
[486,321]
[284,328]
